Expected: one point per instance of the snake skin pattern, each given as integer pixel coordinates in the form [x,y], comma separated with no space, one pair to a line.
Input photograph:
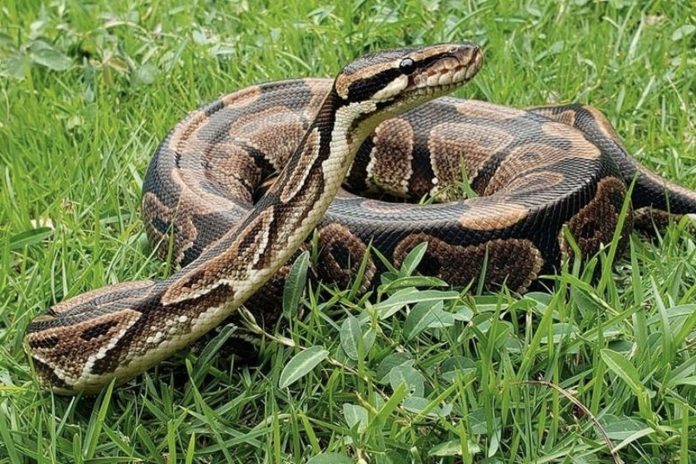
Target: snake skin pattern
[534,171]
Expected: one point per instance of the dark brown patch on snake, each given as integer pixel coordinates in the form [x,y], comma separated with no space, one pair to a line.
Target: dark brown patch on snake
[512,262]
[97,330]
[347,79]
[390,160]
[46,342]
[340,255]
[646,220]
[594,225]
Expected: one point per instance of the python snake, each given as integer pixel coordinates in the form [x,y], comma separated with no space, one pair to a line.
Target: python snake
[534,171]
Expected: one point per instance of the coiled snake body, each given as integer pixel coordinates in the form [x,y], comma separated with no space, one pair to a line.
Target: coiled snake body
[534,171]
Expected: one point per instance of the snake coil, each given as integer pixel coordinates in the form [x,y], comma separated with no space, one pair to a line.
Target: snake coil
[534,171]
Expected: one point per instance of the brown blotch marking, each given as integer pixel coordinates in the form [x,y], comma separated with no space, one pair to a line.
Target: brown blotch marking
[230,266]
[567,117]
[450,144]
[530,156]
[490,213]
[186,233]
[537,155]
[340,254]
[195,197]
[647,220]
[274,131]
[68,358]
[97,330]
[512,262]
[233,170]
[294,181]
[595,223]
[44,342]
[391,156]
[580,147]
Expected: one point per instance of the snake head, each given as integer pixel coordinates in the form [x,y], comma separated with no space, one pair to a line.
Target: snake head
[406,77]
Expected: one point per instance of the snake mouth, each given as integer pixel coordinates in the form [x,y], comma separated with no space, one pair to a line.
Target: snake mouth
[448,71]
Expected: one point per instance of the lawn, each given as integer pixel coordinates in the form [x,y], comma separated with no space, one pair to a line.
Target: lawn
[592,370]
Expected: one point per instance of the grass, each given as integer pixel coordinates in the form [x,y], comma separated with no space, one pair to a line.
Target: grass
[412,375]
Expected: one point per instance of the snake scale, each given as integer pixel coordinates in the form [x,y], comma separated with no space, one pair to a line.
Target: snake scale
[534,171]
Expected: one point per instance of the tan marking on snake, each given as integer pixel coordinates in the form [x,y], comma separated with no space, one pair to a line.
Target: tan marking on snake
[277,136]
[296,180]
[580,147]
[491,215]
[242,98]
[183,131]
[319,88]
[449,150]
[537,156]
[487,111]
[533,182]
[382,207]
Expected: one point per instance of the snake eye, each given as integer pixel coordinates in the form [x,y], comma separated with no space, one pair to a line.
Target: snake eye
[407,66]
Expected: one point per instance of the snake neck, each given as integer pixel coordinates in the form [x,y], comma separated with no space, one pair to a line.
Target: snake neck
[288,212]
